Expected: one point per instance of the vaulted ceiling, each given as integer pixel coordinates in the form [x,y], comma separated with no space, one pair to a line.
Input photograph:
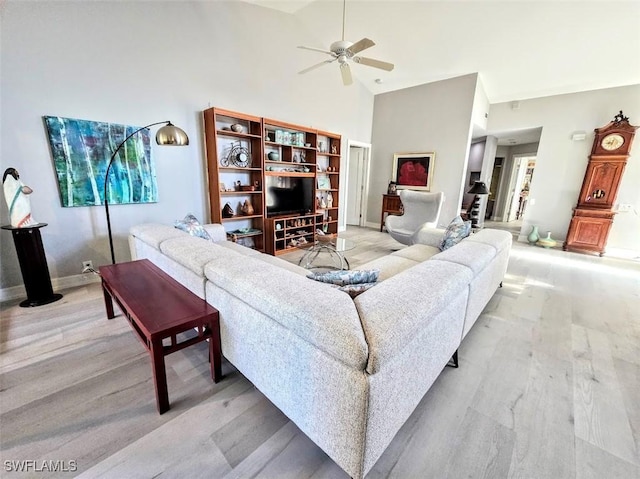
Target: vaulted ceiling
[520,49]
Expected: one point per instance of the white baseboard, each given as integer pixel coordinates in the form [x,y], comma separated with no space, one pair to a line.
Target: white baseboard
[17,292]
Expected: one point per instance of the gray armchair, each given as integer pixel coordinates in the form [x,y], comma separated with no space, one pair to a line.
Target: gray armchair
[420,209]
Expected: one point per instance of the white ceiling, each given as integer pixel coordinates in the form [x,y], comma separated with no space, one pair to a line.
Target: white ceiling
[520,49]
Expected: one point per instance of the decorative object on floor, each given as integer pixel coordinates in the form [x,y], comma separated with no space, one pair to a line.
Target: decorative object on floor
[391,189]
[80,149]
[16,193]
[455,232]
[247,208]
[534,236]
[420,209]
[167,135]
[478,189]
[594,214]
[33,265]
[191,225]
[413,170]
[345,52]
[547,242]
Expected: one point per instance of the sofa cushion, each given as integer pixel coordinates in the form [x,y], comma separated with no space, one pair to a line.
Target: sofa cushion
[193,253]
[315,312]
[417,252]
[190,225]
[153,234]
[274,260]
[243,250]
[398,309]
[498,239]
[474,255]
[389,266]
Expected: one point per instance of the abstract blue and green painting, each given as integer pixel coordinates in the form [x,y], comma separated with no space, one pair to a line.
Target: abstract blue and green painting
[81,151]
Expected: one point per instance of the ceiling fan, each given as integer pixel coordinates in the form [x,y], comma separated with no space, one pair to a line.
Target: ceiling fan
[344,52]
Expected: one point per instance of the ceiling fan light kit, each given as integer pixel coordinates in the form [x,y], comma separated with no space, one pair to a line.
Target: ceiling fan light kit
[345,52]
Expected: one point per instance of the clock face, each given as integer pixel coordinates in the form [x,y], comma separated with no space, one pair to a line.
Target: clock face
[612,142]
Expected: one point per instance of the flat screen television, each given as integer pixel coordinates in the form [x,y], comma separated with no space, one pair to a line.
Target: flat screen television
[286,195]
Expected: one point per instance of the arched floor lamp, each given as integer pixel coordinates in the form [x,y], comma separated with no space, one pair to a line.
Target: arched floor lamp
[168,135]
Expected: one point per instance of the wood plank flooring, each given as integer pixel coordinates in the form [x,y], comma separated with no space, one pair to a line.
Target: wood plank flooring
[548,387]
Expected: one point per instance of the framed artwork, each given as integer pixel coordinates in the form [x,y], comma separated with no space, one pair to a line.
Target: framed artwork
[413,171]
[81,150]
[473,177]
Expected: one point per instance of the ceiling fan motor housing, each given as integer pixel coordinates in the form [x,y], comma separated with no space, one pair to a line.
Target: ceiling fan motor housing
[341,48]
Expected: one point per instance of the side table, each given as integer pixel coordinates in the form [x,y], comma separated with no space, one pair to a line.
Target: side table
[391,204]
[159,308]
[33,265]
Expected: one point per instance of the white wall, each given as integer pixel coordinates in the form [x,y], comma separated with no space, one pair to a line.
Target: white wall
[137,63]
[432,117]
[561,162]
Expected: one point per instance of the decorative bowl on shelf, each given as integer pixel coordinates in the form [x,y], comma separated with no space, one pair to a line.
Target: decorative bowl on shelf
[237,128]
[273,156]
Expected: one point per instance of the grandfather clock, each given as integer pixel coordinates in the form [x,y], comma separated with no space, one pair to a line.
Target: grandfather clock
[593,216]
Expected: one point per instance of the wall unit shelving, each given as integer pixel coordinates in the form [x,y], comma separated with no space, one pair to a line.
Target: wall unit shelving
[245,154]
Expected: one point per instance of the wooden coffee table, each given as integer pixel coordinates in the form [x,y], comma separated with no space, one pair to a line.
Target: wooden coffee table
[159,308]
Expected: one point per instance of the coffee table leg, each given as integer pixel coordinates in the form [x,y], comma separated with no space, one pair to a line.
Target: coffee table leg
[108,302]
[159,376]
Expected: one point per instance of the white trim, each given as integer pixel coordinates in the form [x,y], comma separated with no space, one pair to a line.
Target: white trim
[19,292]
[365,194]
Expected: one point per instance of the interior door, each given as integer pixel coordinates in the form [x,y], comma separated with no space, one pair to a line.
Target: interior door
[355,181]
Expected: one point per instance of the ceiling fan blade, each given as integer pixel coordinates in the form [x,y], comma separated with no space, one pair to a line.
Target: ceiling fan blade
[370,62]
[317,65]
[361,45]
[345,70]
[316,50]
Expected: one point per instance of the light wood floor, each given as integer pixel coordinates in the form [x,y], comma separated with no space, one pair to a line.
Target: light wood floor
[548,387]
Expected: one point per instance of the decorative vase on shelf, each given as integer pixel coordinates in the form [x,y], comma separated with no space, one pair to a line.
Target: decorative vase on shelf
[329,200]
[547,242]
[533,236]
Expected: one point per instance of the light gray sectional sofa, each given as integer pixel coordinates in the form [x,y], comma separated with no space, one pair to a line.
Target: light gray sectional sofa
[348,372]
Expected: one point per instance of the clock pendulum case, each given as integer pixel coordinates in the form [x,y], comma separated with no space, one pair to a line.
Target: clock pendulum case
[593,216]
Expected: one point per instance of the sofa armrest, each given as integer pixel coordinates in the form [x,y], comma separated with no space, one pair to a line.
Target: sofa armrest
[216,231]
[428,235]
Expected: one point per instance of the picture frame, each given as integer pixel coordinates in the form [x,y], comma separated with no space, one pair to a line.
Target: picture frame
[473,177]
[324,183]
[413,171]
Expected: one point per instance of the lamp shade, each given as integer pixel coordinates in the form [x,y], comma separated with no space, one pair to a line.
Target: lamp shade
[171,135]
[478,188]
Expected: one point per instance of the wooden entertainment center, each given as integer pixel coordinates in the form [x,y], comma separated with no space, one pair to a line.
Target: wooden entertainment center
[249,157]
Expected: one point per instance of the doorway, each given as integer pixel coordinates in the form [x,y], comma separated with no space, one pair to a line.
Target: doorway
[357,183]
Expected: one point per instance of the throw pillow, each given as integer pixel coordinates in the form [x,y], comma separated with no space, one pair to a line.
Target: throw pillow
[191,225]
[455,232]
[354,290]
[344,277]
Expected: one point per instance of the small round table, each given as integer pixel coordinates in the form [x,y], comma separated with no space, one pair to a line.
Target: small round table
[334,246]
